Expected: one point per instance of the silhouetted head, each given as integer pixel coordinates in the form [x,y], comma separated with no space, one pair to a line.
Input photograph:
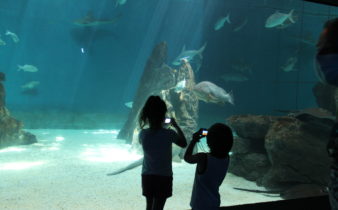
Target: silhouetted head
[153,112]
[328,42]
[220,139]
[2,76]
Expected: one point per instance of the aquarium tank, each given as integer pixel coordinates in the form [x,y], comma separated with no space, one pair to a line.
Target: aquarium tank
[75,75]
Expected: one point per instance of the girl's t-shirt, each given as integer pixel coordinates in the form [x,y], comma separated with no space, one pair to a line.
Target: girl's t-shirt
[157,149]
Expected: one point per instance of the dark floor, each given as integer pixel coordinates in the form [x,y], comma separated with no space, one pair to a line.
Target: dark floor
[311,203]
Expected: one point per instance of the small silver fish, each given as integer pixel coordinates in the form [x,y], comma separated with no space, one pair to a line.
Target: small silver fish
[290,64]
[28,68]
[120,2]
[242,66]
[188,55]
[239,27]
[278,19]
[234,77]
[129,104]
[220,22]
[14,37]
[2,42]
[30,85]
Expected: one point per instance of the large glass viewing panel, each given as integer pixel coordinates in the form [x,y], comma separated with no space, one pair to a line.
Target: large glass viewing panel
[77,73]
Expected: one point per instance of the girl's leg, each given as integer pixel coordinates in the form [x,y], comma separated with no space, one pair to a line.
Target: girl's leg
[159,203]
[150,201]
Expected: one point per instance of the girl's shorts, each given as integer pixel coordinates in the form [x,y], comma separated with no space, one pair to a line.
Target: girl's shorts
[157,186]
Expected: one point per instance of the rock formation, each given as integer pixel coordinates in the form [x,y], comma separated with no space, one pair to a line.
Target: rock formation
[281,151]
[11,132]
[157,76]
[160,79]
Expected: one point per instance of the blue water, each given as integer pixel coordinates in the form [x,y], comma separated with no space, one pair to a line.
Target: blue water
[105,75]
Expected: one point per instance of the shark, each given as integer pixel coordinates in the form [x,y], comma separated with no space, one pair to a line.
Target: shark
[89,21]
[188,55]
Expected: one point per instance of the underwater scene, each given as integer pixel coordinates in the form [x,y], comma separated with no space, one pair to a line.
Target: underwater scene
[74,76]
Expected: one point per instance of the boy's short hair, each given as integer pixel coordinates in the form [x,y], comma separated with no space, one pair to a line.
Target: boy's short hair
[220,139]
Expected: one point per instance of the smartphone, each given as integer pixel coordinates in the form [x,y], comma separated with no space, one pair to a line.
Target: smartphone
[204,132]
[167,120]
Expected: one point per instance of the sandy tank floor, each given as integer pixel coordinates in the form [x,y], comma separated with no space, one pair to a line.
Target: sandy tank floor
[67,169]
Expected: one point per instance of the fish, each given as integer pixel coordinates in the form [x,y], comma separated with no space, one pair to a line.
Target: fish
[290,64]
[286,24]
[220,22]
[30,92]
[30,88]
[28,68]
[14,37]
[239,27]
[30,85]
[296,191]
[242,66]
[129,104]
[307,38]
[128,167]
[211,93]
[90,21]
[278,19]
[234,77]
[317,112]
[174,156]
[2,42]
[188,55]
[120,2]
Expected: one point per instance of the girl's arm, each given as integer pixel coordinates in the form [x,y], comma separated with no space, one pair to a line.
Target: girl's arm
[182,141]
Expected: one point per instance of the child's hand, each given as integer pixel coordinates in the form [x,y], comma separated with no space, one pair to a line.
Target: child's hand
[198,135]
[173,122]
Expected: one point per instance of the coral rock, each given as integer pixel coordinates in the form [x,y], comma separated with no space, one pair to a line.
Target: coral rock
[296,154]
[250,126]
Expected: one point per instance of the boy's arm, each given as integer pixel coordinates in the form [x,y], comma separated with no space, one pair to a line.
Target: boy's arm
[188,156]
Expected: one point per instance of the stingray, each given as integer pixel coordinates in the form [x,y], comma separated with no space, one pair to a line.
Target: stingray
[297,191]
[317,112]
[175,156]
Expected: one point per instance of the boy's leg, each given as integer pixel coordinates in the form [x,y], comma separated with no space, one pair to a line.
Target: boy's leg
[150,201]
[159,203]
